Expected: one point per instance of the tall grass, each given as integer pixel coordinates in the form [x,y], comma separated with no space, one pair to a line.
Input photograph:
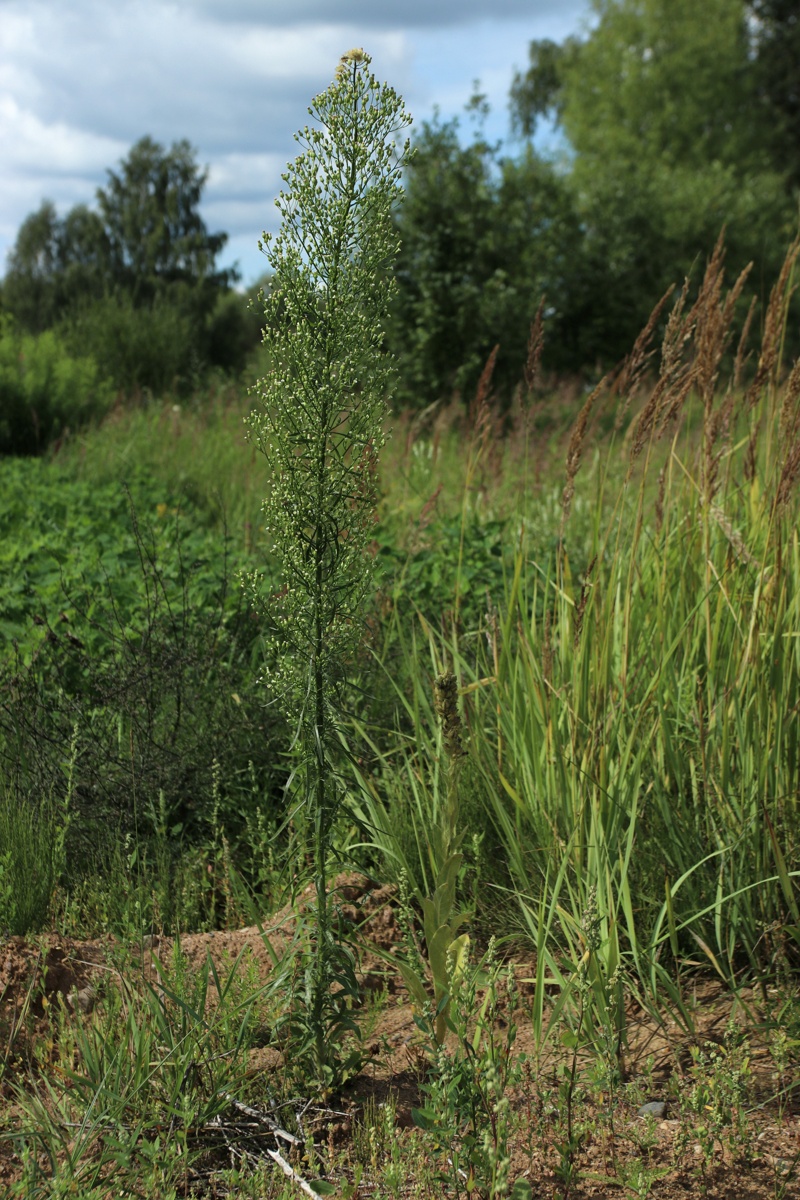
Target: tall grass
[197,447]
[139,1090]
[28,871]
[634,704]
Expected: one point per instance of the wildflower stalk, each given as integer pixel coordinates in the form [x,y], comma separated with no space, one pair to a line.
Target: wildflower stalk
[321,429]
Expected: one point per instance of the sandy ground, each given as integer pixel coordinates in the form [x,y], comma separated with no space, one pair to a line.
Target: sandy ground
[36,972]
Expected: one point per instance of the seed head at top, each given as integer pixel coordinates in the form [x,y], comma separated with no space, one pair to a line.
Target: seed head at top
[356,55]
[445,701]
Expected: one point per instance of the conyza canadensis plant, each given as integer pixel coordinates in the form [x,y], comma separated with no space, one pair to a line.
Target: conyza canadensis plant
[321,426]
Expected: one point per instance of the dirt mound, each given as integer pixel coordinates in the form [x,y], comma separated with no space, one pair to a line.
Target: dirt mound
[34,972]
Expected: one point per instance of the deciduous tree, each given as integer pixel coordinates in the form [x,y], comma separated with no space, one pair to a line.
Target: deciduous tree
[659,106]
[482,239]
[135,281]
[775,31]
[150,211]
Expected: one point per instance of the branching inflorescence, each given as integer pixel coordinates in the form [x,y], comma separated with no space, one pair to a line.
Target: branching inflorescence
[321,426]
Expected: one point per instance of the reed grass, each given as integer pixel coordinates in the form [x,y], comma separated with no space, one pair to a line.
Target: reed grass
[633,707]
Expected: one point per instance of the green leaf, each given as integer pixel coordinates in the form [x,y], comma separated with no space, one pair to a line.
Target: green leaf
[413,982]
[424,1118]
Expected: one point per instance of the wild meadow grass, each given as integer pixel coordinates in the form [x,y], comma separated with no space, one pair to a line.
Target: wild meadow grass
[632,698]
[190,449]
[625,638]
[619,607]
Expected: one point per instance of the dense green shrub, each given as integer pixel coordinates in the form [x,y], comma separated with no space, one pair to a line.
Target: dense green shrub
[45,390]
[152,347]
[483,239]
[232,332]
[165,345]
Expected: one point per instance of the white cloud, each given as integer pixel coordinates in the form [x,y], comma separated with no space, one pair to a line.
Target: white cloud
[238,200]
[81,81]
[30,144]
[148,66]
[47,161]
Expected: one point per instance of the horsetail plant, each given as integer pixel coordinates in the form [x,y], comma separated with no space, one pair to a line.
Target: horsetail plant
[321,427]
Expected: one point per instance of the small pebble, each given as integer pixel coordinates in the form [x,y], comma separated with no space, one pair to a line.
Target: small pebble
[82,1001]
[653,1108]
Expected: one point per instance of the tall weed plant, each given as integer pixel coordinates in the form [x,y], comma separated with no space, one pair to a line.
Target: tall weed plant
[321,427]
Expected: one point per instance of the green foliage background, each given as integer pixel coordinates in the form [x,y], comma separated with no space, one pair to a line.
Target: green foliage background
[671,121]
[134,283]
[674,121]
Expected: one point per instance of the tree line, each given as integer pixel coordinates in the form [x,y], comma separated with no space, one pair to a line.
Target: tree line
[675,119]
[134,282]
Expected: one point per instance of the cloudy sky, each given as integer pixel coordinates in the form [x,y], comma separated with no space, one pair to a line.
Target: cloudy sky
[82,80]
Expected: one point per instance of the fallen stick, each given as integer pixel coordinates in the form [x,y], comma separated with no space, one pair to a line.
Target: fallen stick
[261,1116]
[292,1174]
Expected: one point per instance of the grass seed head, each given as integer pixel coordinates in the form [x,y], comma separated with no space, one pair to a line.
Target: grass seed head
[535,347]
[774,320]
[575,448]
[445,702]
